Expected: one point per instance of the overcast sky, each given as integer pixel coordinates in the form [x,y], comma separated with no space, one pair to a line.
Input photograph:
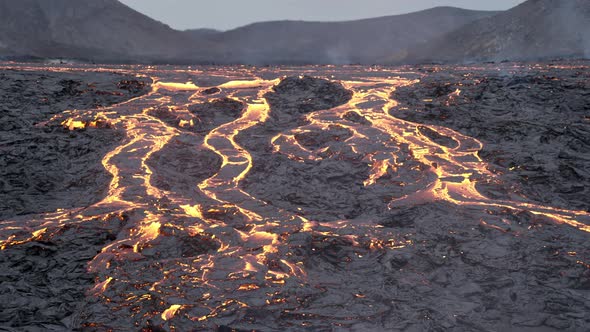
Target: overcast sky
[228,14]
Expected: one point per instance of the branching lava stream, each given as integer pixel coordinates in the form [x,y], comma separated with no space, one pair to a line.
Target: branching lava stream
[198,252]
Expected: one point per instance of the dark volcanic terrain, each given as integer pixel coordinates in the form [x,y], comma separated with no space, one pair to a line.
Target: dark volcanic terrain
[539,112]
[45,166]
[320,198]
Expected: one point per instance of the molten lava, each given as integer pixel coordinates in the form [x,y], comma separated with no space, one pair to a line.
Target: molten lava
[219,249]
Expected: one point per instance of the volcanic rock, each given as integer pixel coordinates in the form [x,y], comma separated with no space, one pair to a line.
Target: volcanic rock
[301,95]
[45,159]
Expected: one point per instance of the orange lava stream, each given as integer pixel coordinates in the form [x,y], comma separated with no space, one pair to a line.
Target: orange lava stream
[236,162]
[256,255]
[457,169]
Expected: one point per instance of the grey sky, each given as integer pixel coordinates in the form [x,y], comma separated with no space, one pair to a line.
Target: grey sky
[228,14]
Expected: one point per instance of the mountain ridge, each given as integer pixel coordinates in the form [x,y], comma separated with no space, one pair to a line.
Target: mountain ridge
[359,41]
[110,31]
[433,9]
[84,29]
[535,29]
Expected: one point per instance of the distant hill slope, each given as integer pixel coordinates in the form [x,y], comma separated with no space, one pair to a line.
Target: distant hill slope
[107,30]
[91,29]
[363,41]
[536,29]
[200,33]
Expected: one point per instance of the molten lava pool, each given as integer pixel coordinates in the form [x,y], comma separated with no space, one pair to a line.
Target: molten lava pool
[313,198]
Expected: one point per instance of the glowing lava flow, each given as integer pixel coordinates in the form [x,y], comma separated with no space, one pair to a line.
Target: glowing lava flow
[219,250]
[455,169]
[236,161]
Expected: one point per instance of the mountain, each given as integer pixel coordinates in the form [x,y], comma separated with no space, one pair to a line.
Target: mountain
[536,29]
[88,29]
[109,31]
[200,33]
[362,41]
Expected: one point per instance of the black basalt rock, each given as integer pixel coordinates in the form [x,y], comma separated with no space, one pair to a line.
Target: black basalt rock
[301,95]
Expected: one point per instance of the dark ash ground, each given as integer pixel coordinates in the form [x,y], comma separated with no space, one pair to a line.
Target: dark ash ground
[525,273]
